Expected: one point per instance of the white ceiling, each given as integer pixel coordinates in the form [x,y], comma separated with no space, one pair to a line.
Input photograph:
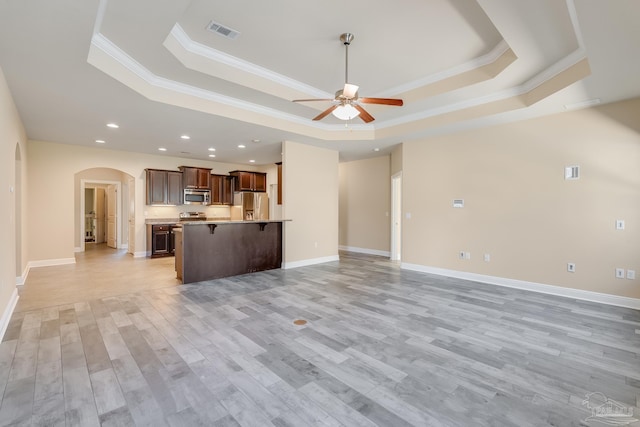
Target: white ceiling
[153,68]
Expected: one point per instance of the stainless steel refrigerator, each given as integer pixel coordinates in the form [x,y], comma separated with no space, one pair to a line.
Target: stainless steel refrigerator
[249,206]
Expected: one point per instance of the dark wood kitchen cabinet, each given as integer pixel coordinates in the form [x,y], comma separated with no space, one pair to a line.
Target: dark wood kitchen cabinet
[249,181]
[160,240]
[199,178]
[164,187]
[221,189]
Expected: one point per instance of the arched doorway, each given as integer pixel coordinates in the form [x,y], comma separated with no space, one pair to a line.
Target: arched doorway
[107,223]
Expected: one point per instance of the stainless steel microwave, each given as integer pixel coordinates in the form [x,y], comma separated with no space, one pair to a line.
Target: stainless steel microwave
[197,197]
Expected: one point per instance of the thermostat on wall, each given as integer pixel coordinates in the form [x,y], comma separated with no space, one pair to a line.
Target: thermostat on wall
[458,203]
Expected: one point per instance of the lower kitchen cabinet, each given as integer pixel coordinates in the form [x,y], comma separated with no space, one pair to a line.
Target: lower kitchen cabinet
[160,240]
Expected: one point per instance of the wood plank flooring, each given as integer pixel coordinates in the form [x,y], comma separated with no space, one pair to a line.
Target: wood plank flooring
[381,347]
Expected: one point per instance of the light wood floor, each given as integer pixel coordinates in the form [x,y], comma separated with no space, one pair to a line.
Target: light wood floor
[381,347]
[99,272]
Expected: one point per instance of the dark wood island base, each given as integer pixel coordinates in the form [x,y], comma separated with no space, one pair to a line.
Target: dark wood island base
[211,250]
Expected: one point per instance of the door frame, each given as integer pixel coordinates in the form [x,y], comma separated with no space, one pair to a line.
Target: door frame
[396,217]
[87,183]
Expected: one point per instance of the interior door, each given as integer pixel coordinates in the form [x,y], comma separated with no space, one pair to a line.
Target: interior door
[132,215]
[101,215]
[112,216]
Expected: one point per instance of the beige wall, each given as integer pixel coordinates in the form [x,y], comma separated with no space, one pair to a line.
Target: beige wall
[365,204]
[518,206]
[310,200]
[52,179]
[13,167]
[396,159]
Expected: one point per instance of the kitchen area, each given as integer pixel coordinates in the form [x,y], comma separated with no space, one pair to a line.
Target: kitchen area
[227,229]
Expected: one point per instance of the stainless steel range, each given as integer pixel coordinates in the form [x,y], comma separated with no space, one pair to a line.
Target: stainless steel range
[193,216]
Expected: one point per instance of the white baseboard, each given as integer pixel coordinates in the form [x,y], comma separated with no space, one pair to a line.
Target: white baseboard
[141,254]
[306,262]
[365,251]
[8,312]
[530,286]
[50,262]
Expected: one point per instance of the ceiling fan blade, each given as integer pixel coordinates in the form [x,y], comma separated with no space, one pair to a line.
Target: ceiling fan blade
[325,113]
[366,117]
[349,91]
[309,100]
[382,101]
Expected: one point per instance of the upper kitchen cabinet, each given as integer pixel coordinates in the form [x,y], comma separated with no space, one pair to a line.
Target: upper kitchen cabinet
[164,187]
[199,178]
[174,188]
[249,181]
[221,190]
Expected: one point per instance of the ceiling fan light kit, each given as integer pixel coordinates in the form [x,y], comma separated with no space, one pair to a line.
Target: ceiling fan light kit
[346,112]
[346,102]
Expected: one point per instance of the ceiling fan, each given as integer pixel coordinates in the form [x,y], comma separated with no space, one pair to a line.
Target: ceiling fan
[347,102]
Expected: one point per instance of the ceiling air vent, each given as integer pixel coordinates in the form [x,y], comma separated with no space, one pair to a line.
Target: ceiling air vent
[222,30]
[572,172]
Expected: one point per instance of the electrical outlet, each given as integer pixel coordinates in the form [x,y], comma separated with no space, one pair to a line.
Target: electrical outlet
[620,273]
[487,257]
[631,274]
[571,267]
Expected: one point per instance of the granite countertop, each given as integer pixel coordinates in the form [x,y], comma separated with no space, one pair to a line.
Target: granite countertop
[227,221]
[177,220]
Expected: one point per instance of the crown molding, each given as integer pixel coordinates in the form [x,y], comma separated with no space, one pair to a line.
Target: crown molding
[211,54]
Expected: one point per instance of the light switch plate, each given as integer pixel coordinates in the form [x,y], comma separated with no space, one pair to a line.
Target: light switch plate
[571,267]
[631,274]
[620,273]
[619,224]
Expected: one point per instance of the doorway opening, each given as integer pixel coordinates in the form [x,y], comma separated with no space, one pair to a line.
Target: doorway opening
[103,209]
[396,216]
[100,214]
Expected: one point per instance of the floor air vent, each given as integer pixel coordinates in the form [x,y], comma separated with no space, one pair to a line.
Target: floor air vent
[222,30]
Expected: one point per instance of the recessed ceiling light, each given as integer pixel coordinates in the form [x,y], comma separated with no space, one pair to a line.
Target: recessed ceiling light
[241,146]
[252,161]
[212,155]
[112,125]
[255,140]
[162,149]
[212,149]
[100,141]
[185,137]
[376,149]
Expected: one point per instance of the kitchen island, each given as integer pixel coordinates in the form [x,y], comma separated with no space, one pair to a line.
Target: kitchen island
[208,250]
